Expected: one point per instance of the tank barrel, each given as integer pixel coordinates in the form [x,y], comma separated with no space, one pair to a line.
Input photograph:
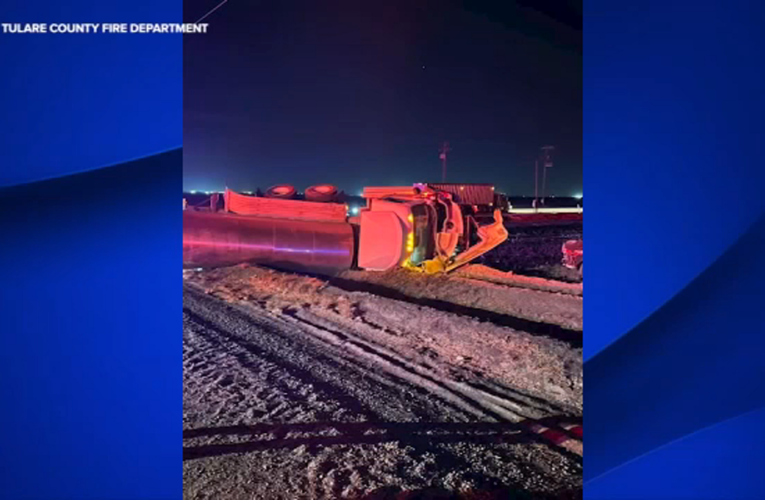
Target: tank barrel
[215,240]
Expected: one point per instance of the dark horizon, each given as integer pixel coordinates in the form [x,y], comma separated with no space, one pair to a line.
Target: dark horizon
[354,95]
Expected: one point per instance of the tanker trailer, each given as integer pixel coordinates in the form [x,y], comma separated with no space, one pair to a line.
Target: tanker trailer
[222,239]
[416,227]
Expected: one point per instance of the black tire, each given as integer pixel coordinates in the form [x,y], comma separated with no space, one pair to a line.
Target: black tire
[281,191]
[321,193]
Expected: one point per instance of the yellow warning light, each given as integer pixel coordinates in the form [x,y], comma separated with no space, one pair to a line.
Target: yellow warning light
[410,219]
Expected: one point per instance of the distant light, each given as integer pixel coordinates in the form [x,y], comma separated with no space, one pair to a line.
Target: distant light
[355,210]
[193,191]
[578,196]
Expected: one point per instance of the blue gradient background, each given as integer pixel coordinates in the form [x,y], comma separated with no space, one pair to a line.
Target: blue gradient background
[90,295]
[77,102]
[675,372]
[90,358]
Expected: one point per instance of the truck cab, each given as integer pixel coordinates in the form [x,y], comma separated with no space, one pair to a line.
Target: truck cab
[421,228]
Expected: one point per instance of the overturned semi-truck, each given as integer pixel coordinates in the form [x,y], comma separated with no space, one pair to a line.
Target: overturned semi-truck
[419,227]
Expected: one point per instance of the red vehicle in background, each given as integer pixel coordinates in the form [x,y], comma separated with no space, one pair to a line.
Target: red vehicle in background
[573,251]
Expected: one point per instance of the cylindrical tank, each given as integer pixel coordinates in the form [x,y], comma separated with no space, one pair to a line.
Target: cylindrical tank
[214,240]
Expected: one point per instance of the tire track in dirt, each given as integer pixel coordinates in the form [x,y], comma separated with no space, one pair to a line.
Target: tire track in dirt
[468,397]
[331,417]
[353,349]
[241,376]
[474,338]
[284,345]
[517,321]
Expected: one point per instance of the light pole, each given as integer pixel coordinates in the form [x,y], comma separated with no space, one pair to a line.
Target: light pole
[536,183]
[547,152]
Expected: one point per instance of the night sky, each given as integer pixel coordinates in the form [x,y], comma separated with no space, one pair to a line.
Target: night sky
[359,93]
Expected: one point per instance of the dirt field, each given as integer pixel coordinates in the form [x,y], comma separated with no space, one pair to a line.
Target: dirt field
[535,251]
[380,385]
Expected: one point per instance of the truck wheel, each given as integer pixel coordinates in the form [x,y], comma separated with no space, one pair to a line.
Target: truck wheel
[282,191]
[321,192]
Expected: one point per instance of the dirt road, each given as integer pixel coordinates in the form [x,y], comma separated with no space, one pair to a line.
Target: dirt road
[296,389]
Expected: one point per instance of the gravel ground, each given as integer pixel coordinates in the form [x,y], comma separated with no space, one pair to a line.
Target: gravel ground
[297,388]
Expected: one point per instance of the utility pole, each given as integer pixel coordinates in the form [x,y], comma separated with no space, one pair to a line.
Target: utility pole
[444,149]
[536,183]
[547,152]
